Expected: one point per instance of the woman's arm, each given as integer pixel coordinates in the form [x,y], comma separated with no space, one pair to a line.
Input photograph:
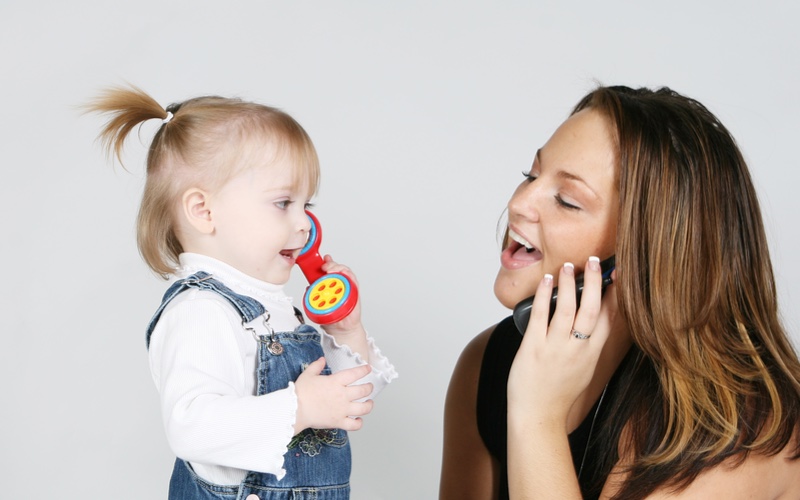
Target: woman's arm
[468,470]
[562,365]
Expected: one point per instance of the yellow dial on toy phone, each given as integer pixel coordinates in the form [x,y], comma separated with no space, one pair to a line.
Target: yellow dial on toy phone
[327,293]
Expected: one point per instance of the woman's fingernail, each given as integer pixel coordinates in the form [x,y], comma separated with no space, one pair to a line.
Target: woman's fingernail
[548,279]
[569,268]
[594,263]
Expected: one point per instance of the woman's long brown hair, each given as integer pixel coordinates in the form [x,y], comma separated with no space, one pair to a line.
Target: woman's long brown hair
[713,375]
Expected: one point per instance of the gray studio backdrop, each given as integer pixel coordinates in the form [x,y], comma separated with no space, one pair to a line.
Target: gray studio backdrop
[424,113]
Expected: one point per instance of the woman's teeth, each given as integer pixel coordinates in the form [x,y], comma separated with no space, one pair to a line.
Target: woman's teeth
[522,241]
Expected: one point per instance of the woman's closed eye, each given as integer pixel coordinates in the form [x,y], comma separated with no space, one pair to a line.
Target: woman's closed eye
[530,177]
[565,204]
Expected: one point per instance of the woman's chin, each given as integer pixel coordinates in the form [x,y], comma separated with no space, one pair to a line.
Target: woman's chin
[507,292]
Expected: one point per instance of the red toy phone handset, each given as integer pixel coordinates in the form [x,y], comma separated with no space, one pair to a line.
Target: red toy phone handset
[329,297]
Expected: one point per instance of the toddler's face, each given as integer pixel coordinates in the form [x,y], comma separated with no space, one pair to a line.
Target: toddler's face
[260,223]
[564,211]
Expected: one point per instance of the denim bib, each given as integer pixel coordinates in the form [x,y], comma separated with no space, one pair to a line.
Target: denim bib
[317,462]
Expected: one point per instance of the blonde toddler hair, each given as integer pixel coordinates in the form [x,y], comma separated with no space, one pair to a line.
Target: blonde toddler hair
[202,142]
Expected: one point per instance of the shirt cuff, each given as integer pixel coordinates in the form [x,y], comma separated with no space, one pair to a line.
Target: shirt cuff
[340,357]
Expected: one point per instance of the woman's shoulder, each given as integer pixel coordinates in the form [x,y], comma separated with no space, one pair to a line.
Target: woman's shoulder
[758,476]
[474,349]
[468,470]
[494,338]
[469,362]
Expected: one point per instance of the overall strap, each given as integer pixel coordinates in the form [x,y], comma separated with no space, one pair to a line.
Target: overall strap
[299,315]
[248,308]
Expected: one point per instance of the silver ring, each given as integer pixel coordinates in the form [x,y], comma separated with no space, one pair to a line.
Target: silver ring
[578,335]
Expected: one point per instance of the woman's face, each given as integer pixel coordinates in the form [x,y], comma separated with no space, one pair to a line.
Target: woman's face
[564,211]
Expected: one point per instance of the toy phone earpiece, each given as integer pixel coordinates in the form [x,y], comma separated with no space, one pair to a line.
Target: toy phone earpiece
[329,297]
[522,311]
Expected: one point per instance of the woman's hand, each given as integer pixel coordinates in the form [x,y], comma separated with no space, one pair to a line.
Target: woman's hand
[556,362]
[553,366]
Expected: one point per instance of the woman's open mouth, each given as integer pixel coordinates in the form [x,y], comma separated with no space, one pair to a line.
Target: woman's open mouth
[519,253]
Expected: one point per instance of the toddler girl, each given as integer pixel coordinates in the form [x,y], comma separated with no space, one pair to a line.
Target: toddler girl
[249,405]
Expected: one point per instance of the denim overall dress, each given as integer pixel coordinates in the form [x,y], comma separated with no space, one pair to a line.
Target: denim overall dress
[317,462]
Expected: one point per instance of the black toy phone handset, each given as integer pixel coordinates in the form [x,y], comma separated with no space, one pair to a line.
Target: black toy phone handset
[522,311]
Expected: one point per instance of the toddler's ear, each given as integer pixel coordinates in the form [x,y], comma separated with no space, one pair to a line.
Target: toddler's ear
[196,210]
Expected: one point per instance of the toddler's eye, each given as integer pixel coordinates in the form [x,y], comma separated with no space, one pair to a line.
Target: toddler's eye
[283,204]
[309,206]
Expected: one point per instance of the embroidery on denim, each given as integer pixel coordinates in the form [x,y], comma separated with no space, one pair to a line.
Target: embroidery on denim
[310,441]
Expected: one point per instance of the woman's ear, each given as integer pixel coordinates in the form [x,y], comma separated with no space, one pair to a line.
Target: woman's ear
[196,210]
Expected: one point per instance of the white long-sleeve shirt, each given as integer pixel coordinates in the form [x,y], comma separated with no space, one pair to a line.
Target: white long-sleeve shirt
[204,364]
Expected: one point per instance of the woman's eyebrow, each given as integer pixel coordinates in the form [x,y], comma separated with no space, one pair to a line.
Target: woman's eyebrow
[568,175]
[576,178]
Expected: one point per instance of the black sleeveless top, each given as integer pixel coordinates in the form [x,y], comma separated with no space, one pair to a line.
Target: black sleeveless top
[492,404]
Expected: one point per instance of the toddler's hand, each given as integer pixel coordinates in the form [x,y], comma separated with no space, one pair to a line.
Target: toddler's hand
[329,401]
[352,322]
[349,331]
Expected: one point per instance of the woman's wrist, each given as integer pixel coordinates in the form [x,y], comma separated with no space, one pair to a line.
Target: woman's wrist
[551,423]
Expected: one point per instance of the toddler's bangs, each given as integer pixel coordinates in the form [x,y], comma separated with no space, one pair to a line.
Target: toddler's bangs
[280,138]
[304,157]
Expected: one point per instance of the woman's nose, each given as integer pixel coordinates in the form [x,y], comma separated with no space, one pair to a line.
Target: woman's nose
[526,202]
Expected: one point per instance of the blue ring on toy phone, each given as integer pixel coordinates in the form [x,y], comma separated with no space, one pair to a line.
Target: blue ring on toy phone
[344,279]
[312,236]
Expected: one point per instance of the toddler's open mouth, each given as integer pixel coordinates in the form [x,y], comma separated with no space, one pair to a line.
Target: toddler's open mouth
[290,253]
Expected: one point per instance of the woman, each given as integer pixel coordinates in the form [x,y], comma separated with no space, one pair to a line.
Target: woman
[679,379]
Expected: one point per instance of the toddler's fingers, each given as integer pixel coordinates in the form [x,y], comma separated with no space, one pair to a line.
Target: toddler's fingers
[350,375]
[328,263]
[331,266]
[351,424]
[359,391]
[360,409]
[315,367]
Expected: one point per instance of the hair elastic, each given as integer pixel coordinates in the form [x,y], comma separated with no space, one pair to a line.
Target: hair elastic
[168,117]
